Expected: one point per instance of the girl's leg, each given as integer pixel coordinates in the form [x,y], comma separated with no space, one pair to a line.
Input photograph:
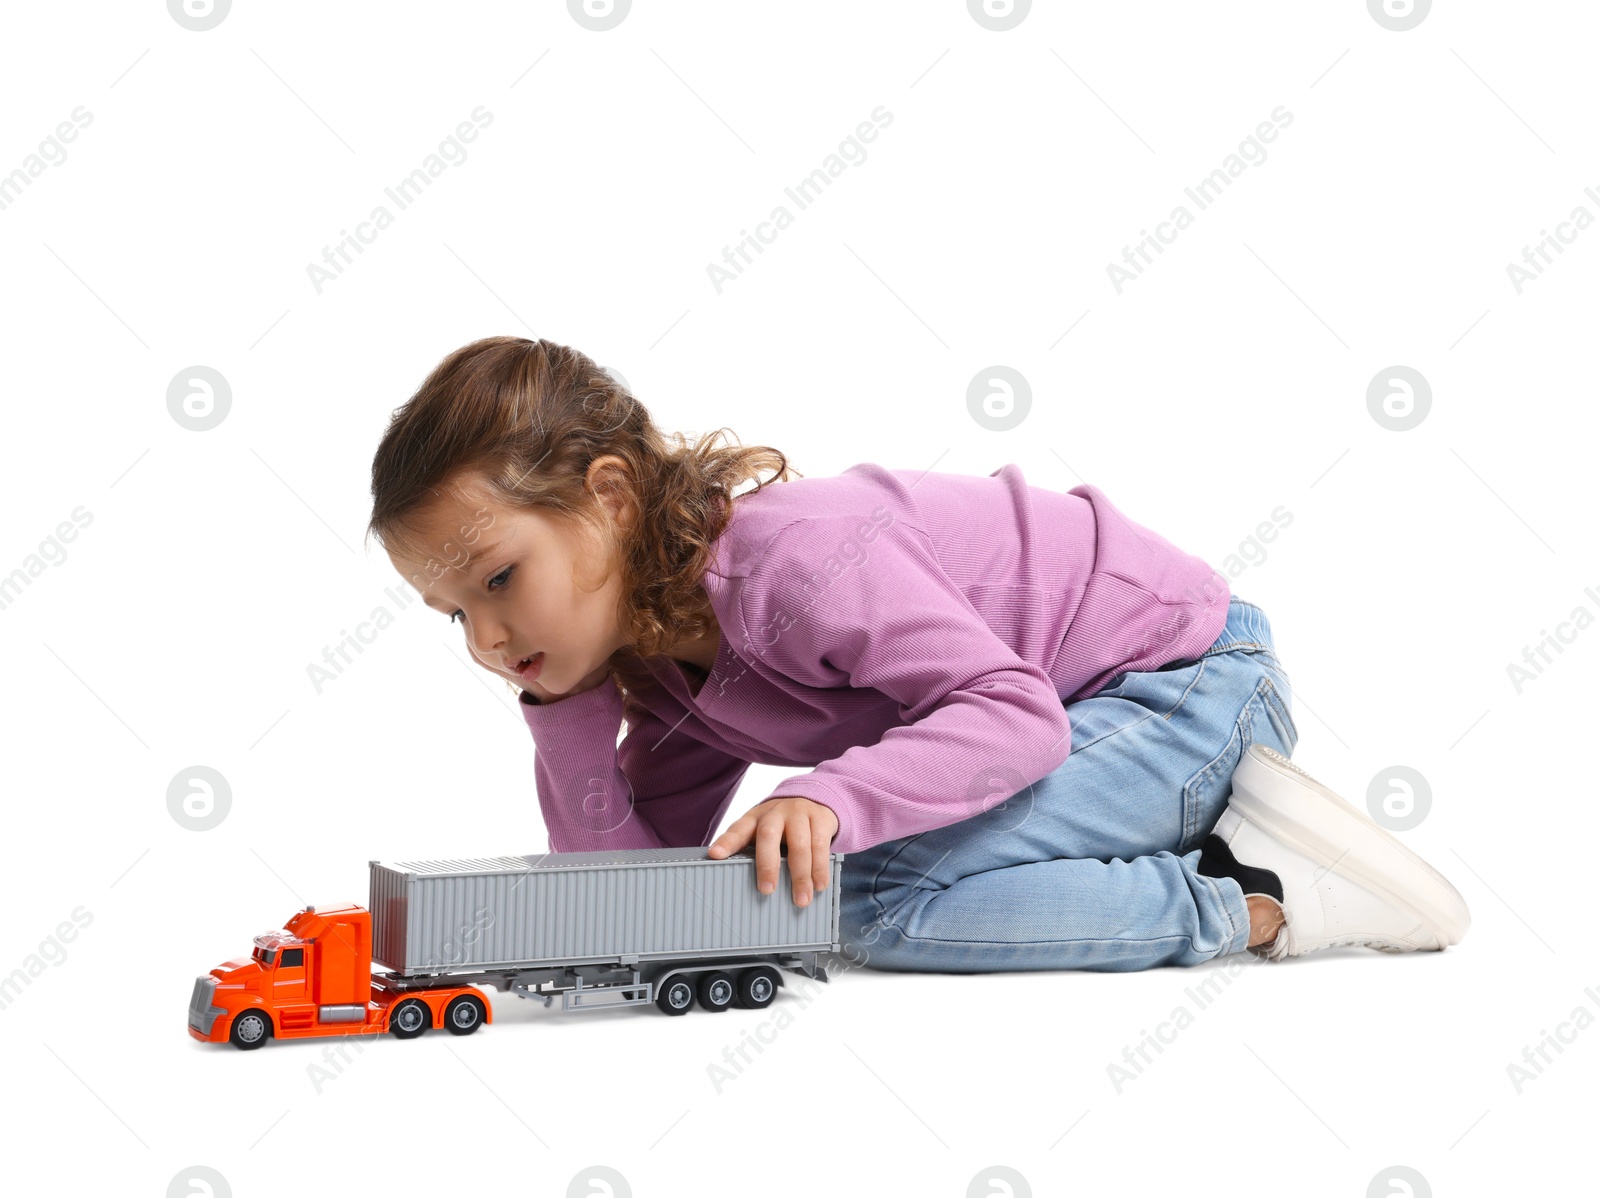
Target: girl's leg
[1093,866]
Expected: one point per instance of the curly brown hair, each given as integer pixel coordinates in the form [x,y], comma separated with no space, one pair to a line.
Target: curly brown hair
[529,417]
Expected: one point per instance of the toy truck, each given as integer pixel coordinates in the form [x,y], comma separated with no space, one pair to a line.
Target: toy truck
[617,928]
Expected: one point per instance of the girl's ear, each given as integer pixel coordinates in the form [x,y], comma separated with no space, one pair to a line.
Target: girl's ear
[607,477]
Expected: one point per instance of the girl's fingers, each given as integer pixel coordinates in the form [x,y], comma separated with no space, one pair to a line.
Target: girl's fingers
[734,839]
[769,835]
[822,859]
[799,832]
[807,830]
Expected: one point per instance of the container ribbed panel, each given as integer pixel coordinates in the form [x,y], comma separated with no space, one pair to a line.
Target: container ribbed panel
[434,916]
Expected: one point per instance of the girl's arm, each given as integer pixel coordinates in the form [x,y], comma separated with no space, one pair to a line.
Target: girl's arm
[659,788]
[981,722]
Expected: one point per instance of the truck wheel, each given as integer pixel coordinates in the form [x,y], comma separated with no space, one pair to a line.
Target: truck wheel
[410,1019]
[463,1015]
[676,996]
[716,991]
[251,1029]
[757,987]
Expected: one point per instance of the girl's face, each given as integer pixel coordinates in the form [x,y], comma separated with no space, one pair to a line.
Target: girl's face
[520,583]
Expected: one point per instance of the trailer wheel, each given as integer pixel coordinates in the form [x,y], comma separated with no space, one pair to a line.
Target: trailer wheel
[463,1015]
[758,987]
[410,1019]
[676,995]
[716,991]
[251,1029]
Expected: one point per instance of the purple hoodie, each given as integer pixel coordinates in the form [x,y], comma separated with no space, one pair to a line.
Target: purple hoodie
[906,639]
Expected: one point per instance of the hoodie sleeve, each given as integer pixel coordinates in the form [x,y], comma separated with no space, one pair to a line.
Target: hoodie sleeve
[981,723]
[658,788]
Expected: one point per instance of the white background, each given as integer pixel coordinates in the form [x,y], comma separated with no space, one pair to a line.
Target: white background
[1230,379]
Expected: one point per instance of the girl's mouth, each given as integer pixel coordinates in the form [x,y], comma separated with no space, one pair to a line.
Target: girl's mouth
[528,668]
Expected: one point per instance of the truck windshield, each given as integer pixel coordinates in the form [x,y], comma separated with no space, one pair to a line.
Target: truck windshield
[265,955]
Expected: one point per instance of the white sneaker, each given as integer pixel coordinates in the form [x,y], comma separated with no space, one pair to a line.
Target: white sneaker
[1345,879]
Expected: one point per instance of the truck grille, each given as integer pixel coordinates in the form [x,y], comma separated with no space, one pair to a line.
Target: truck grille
[201,1013]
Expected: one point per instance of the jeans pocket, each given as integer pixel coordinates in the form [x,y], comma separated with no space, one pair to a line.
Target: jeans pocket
[1263,717]
[1206,792]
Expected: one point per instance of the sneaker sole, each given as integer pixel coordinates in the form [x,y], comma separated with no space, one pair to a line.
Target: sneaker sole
[1346,841]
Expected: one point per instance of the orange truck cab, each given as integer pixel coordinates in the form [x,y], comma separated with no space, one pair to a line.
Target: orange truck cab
[313,977]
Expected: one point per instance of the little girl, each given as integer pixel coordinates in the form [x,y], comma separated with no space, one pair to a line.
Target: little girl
[1044,736]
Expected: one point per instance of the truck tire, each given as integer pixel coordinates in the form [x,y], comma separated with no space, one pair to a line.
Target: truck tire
[758,987]
[676,995]
[717,991]
[463,1015]
[410,1019]
[251,1029]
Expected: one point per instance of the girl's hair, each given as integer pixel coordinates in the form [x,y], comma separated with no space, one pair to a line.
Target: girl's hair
[529,417]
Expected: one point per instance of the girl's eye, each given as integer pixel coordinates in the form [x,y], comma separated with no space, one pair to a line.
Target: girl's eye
[502,578]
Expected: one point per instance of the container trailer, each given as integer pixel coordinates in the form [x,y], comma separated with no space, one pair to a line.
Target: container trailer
[611,928]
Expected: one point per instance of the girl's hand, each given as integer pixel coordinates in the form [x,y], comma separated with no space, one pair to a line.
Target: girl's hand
[588,684]
[806,827]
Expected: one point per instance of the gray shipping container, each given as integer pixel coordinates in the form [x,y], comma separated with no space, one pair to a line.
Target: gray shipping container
[548,909]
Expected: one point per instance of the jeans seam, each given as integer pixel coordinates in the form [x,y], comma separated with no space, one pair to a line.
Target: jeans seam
[1253,646]
[1116,731]
[1222,901]
[1035,943]
[1275,699]
[1193,682]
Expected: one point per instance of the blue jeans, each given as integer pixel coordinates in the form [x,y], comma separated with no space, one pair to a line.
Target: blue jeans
[1093,866]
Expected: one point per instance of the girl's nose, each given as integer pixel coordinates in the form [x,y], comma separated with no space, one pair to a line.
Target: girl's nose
[488,642]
